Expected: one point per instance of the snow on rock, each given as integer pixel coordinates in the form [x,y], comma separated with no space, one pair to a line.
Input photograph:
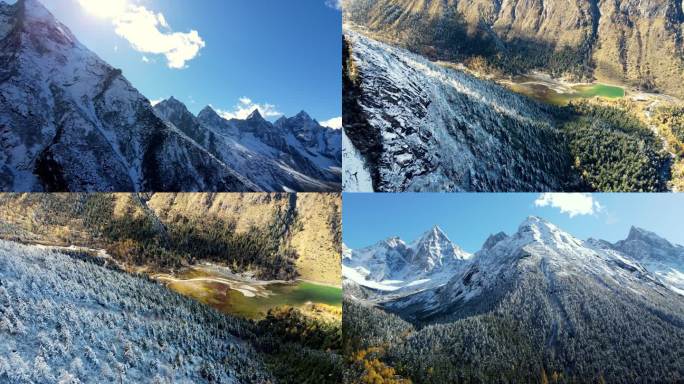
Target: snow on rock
[355,174]
[656,254]
[443,130]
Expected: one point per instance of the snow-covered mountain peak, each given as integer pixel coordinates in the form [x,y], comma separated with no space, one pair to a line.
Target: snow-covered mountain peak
[393,242]
[38,21]
[435,249]
[393,265]
[34,9]
[210,117]
[537,229]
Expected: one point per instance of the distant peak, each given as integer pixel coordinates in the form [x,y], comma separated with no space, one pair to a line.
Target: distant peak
[393,241]
[437,231]
[172,103]
[640,234]
[637,232]
[536,222]
[303,115]
[255,115]
[433,233]
[494,240]
[208,110]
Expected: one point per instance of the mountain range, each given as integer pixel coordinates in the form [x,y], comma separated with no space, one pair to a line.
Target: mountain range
[431,268]
[536,305]
[71,122]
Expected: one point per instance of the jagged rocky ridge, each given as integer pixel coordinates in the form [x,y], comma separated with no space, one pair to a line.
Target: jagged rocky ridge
[71,122]
[538,303]
[638,43]
[413,125]
[293,154]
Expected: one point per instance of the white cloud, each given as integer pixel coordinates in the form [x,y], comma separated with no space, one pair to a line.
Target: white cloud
[573,204]
[147,31]
[335,122]
[156,101]
[246,106]
[335,4]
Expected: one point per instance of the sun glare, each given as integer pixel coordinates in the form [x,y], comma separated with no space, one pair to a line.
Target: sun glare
[104,8]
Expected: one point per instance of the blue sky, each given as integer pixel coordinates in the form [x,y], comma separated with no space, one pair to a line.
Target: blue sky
[468,219]
[286,54]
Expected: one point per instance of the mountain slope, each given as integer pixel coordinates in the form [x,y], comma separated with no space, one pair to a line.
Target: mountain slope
[638,43]
[295,154]
[67,320]
[537,304]
[274,236]
[71,122]
[420,127]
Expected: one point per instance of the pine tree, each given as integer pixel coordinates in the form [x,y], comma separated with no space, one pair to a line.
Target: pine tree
[42,373]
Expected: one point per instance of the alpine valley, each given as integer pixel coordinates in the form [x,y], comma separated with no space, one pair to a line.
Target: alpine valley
[170,288]
[539,305]
[513,96]
[71,122]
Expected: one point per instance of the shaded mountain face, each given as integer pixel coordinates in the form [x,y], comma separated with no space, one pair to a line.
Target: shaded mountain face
[531,305]
[413,125]
[71,122]
[638,43]
[294,154]
[397,268]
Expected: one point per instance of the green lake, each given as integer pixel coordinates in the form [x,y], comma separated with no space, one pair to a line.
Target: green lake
[549,93]
[252,300]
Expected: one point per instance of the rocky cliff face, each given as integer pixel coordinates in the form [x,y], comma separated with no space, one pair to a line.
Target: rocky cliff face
[638,43]
[71,122]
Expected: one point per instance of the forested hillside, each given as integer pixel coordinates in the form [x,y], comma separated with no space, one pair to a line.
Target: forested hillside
[262,233]
[71,321]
